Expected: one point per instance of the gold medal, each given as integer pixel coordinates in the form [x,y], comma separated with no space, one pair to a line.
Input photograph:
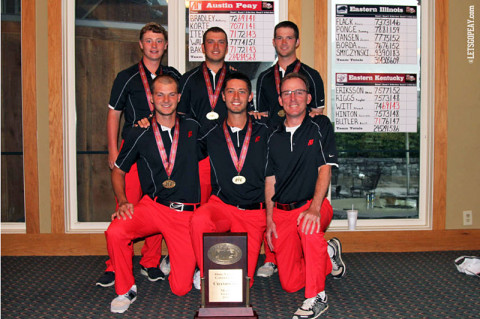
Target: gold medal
[212,115]
[168,183]
[281,113]
[239,180]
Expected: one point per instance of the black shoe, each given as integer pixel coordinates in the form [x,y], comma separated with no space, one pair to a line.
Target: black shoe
[311,308]
[338,266]
[153,273]
[107,279]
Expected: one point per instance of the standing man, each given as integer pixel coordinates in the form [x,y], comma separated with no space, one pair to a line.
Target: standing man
[130,96]
[166,153]
[200,89]
[237,147]
[301,153]
[286,41]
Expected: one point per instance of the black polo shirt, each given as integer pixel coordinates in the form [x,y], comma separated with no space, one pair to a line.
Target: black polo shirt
[128,94]
[295,160]
[194,99]
[140,146]
[223,169]
[267,96]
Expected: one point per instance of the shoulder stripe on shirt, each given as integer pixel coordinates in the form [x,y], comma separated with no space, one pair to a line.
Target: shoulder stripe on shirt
[260,85]
[188,79]
[133,146]
[314,89]
[121,92]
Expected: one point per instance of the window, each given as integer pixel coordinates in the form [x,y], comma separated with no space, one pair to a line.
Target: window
[12,195]
[101,39]
[384,156]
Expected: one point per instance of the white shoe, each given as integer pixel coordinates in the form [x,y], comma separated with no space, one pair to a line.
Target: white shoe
[196,279]
[122,302]
[165,265]
[267,270]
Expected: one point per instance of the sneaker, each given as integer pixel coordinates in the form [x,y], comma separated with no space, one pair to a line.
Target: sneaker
[165,265]
[196,279]
[121,303]
[106,280]
[267,270]
[311,308]
[338,266]
[152,273]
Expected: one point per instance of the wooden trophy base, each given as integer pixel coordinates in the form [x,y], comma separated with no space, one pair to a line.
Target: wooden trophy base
[226,312]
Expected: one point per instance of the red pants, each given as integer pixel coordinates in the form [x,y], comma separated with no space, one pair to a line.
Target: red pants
[152,248]
[149,218]
[302,259]
[269,255]
[218,217]
[205,184]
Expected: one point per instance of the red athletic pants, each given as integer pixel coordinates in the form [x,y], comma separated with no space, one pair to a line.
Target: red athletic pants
[152,248]
[205,184]
[218,217]
[302,259]
[150,218]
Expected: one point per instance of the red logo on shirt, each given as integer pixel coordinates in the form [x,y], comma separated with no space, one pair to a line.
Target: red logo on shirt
[257,139]
[189,133]
[310,142]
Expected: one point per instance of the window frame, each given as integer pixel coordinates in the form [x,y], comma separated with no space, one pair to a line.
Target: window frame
[427,105]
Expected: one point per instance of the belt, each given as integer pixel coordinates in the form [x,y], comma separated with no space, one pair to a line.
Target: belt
[180,207]
[251,206]
[290,206]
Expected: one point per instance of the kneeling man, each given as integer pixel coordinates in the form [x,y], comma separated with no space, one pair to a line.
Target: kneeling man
[301,153]
[166,154]
[237,150]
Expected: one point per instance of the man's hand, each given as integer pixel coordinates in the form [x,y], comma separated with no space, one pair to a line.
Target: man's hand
[124,210]
[143,123]
[311,221]
[315,112]
[112,157]
[258,115]
[271,230]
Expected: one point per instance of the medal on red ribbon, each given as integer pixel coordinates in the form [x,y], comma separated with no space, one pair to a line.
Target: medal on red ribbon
[146,86]
[238,179]
[281,113]
[168,162]
[213,96]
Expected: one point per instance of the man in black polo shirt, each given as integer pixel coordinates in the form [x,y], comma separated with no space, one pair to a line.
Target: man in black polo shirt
[129,96]
[286,40]
[166,153]
[301,153]
[200,89]
[237,150]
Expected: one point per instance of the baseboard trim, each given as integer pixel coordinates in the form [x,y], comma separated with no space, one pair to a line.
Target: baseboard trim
[392,241]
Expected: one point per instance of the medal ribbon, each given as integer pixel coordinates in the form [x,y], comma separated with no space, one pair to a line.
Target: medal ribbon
[213,97]
[146,86]
[233,154]
[277,74]
[167,163]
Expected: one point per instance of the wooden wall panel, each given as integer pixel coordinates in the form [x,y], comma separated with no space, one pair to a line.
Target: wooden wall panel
[441,109]
[29,94]
[295,15]
[55,115]
[357,241]
[321,46]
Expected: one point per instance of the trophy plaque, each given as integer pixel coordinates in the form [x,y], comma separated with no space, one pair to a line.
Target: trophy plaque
[225,285]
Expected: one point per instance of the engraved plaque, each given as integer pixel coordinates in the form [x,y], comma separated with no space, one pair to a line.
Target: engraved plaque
[225,285]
